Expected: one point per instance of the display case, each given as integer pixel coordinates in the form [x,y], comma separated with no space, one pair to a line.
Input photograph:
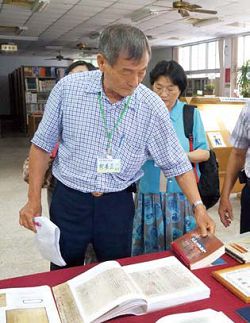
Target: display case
[219,116]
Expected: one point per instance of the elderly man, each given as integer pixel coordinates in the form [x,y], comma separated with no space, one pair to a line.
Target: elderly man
[238,159]
[108,124]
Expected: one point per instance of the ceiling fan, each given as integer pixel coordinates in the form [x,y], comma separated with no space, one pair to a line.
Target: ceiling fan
[60,57]
[86,50]
[185,7]
[85,47]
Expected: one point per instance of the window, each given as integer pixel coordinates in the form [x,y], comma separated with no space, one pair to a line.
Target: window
[204,56]
[213,55]
[243,49]
[184,55]
[198,57]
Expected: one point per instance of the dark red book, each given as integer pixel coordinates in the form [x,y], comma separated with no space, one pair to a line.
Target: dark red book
[196,251]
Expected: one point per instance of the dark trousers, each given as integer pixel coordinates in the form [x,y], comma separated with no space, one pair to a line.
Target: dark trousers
[104,221]
[245,209]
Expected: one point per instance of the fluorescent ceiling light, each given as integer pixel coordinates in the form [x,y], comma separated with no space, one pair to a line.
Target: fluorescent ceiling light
[141,14]
[12,37]
[40,5]
[206,22]
[10,48]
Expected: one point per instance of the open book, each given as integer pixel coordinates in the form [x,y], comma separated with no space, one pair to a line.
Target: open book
[109,290]
[204,316]
[196,251]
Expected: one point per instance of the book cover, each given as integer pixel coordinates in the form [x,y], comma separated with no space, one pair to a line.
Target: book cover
[196,251]
[244,312]
[239,247]
[106,291]
[42,71]
[236,279]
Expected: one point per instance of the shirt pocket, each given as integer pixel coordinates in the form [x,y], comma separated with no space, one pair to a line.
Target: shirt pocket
[132,157]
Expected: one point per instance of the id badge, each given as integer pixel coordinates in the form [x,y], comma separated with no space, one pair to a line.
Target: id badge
[108,165]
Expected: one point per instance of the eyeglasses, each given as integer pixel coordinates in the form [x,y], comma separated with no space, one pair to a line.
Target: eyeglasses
[169,90]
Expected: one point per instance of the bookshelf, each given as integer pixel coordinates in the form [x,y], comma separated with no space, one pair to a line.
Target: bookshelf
[29,90]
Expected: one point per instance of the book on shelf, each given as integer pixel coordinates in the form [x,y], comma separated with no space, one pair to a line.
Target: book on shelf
[30,83]
[239,247]
[236,279]
[28,71]
[196,251]
[46,85]
[30,97]
[109,290]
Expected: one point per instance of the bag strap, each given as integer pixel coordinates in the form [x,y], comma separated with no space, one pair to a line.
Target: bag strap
[188,121]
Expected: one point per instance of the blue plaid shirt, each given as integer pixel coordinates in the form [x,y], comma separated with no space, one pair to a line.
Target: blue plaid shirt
[240,137]
[72,114]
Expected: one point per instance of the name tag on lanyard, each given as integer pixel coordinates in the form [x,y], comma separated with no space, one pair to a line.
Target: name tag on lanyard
[108,165]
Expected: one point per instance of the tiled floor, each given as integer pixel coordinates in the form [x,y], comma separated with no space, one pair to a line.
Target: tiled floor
[18,255]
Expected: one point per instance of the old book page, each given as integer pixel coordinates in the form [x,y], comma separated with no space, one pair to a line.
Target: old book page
[28,305]
[27,315]
[167,282]
[66,304]
[103,288]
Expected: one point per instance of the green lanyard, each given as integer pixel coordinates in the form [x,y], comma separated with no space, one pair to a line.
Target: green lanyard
[110,133]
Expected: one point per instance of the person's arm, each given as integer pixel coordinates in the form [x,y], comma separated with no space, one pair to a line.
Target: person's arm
[38,164]
[189,187]
[235,163]
[198,155]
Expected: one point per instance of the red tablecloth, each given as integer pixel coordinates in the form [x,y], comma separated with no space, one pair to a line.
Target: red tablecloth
[221,299]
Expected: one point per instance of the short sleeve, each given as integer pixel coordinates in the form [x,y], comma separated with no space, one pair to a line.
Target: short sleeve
[48,132]
[200,140]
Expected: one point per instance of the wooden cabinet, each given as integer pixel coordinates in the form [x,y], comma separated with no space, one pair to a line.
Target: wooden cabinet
[219,116]
[33,122]
[29,90]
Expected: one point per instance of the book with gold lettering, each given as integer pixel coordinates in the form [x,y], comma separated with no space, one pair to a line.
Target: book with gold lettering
[196,251]
[103,292]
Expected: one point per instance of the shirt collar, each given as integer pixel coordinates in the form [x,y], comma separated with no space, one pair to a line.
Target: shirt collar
[176,111]
[95,86]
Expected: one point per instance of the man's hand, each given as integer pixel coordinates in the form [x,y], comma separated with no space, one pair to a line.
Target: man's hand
[204,223]
[225,211]
[28,213]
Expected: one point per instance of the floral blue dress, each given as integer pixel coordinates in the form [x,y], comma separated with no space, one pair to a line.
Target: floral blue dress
[163,213]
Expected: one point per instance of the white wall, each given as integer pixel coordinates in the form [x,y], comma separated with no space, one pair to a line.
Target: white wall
[8,64]
[158,54]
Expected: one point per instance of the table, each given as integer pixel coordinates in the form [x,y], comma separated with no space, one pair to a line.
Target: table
[220,300]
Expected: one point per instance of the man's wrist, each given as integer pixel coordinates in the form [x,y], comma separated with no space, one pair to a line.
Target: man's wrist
[196,204]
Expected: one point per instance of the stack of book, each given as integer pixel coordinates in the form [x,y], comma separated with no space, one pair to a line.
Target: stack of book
[239,247]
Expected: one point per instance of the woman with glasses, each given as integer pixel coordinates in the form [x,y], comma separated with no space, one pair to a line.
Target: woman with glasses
[163,212]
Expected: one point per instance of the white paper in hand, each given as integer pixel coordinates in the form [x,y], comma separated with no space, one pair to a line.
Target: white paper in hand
[47,240]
